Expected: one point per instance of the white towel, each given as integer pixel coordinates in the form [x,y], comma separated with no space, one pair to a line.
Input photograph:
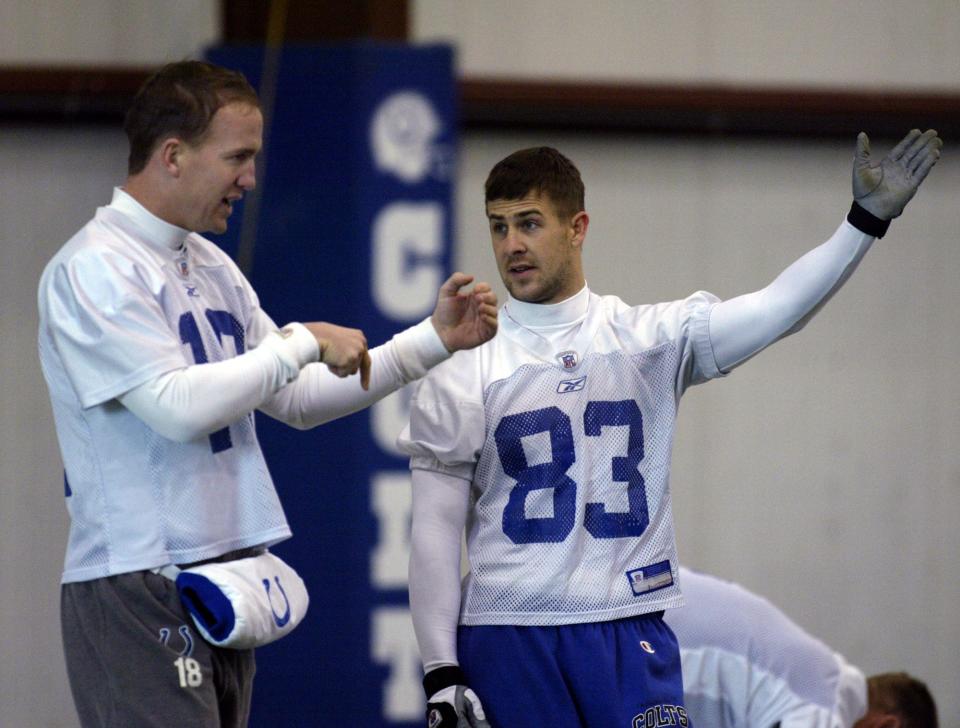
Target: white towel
[244,603]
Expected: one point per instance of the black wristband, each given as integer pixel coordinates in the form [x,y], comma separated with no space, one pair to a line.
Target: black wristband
[867,222]
[443,677]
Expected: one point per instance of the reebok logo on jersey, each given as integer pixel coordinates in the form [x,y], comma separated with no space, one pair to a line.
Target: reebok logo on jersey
[661,715]
[191,291]
[571,385]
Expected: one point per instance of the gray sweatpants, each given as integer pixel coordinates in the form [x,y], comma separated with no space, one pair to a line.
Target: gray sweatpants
[134,658]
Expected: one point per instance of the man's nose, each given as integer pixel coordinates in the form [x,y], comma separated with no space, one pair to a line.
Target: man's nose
[514,241]
[248,178]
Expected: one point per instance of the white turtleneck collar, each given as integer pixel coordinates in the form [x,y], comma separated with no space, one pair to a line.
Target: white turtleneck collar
[546,315]
[156,231]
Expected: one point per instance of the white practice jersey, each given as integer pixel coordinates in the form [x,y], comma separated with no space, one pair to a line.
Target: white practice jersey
[564,424]
[746,665]
[127,299]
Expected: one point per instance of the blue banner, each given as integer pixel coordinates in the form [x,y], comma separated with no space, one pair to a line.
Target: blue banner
[353,226]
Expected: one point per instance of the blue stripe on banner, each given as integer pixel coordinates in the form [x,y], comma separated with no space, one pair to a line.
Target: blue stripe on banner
[354,226]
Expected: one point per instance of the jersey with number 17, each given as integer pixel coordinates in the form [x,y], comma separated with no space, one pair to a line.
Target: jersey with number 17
[567,443]
[126,300]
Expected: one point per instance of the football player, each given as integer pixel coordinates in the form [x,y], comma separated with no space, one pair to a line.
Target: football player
[551,445]
[747,665]
[156,352]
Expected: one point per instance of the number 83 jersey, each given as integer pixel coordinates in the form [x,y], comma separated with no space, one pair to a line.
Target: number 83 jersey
[564,424]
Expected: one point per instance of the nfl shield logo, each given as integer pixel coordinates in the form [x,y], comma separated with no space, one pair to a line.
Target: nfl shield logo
[568,359]
[182,268]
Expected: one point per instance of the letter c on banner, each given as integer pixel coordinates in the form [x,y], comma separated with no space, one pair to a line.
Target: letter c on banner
[407,261]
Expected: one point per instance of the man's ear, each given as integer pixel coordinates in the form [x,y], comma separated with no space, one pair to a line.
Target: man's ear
[875,719]
[579,225]
[170,154]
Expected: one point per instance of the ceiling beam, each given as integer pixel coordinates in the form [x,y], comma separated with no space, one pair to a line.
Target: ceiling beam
[84,94]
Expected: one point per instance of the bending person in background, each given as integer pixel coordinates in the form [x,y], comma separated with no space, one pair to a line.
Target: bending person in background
[747,665]
[156,352]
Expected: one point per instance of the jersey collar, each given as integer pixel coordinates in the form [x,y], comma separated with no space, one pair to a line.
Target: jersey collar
[156,231]
[546,315]
[533,327]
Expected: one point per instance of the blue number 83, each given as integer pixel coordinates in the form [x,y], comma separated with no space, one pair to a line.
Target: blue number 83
[623,469]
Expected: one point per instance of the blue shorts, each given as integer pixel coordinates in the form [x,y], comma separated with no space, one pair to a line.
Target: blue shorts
[619,674]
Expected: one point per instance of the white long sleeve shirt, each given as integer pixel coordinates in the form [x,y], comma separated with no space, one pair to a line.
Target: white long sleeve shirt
[747,665]
[455,440]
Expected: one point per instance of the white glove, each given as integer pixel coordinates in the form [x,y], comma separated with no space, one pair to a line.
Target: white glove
[884,188]
[450,703]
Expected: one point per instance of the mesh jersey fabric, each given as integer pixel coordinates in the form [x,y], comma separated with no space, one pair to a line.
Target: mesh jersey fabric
[567,441]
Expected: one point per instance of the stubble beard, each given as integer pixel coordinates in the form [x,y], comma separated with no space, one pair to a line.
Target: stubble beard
[549,287]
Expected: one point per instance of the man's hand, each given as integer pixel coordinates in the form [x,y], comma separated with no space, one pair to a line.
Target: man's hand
[343,350]
[884,188]
[450,703]
[464,320]
[456,707]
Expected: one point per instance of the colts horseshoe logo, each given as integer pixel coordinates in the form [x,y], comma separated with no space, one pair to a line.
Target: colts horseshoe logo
[184,631]
[280,620]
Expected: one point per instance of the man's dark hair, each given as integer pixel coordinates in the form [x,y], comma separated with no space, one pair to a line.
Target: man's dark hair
[905,696]
[180,100]
[538,170]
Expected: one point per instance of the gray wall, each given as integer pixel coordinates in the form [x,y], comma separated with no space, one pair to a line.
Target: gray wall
[866,44]
[105,32]
[822,473]
[53,178]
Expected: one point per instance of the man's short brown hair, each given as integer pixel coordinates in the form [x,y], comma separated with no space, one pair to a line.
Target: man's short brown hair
[538,170]
[180,100]
[905,696]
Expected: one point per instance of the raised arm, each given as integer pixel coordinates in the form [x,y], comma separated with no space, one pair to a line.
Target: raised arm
[196,400]
[460,320]
[279,375]
[743,326]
